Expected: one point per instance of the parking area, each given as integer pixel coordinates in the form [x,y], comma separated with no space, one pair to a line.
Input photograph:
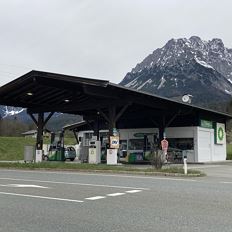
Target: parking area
[215,169]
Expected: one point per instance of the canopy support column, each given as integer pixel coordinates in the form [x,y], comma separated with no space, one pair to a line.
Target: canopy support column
[40,124]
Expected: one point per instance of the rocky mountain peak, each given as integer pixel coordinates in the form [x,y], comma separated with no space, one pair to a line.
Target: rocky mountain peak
[212,52]
[185,65]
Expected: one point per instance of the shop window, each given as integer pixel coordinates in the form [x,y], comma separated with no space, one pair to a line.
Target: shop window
[181,143]
[136,144]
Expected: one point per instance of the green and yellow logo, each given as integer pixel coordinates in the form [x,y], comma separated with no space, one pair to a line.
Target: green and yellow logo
[220,133]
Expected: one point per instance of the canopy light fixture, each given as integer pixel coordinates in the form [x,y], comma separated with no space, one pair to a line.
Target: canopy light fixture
[67,100]
[29,94]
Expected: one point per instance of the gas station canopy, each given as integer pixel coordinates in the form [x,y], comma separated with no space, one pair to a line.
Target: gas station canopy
[41,92]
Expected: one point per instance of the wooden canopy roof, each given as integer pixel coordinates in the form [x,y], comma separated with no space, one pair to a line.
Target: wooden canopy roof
[50,92]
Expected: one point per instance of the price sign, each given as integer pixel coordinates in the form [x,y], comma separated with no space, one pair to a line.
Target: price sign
[114,142]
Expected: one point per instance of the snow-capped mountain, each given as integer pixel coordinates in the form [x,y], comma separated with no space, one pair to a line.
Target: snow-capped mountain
[9,111]
[56,123]
[200,68]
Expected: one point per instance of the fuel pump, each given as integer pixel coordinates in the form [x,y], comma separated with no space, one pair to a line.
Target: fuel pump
[56,149]
[94,151]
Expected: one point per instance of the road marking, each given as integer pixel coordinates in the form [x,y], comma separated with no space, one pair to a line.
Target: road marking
[115,194]
[40,197]
[23,186]
[225,182]
[133,191]
[68,183]
[95,198]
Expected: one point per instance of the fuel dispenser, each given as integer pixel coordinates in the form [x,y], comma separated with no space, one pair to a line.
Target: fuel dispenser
[94,151]
[56,149]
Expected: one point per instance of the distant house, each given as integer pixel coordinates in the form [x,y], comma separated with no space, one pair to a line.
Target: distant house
[33,133]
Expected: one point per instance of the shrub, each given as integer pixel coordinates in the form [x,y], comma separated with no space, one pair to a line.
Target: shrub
[157,158]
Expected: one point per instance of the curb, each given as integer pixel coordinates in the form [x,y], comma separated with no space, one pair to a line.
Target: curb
[142,173]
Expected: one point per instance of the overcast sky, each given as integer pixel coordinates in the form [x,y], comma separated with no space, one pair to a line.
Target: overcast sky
[101,39]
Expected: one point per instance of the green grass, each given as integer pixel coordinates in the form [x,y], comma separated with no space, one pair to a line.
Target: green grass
[229,151]
[93,167]
[12,148]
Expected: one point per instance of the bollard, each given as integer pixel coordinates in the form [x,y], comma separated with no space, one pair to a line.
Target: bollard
[185,165]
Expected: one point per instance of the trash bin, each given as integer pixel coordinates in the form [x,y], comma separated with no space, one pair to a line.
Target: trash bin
[29,153]
[60,155]
[132,158]
[135,157]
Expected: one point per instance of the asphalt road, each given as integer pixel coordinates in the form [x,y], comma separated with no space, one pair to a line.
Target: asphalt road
[66,201]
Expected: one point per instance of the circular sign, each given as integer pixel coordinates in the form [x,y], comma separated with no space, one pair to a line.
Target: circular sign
[185,98]
[220,133]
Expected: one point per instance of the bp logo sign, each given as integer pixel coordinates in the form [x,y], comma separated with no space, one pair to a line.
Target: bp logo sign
[220,133]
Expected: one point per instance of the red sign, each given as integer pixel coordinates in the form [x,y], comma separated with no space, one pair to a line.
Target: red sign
[164,145]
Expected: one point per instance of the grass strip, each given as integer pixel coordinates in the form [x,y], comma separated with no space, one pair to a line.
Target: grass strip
[97,167]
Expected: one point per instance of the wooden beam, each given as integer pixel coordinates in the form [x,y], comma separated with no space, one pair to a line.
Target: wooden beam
[76,137]
[173,118]
[122,111]
[32,117]
[99,92]
[47,119]
[88,104]
[104,115]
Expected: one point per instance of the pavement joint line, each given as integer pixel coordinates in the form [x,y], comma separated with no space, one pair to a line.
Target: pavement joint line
[41,197]
[68,183]
[95,198]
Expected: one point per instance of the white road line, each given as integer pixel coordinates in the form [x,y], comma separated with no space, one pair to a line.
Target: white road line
[115,194]
[225,182]
[40,197]
[95,198]
[68,183]
[23,186]
[134,191]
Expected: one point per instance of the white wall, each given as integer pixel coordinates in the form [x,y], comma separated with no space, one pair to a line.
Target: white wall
[219,152]
[180,132]
[205,142]
[207,150]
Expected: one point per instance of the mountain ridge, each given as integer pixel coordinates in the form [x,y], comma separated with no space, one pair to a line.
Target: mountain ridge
[194,66]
